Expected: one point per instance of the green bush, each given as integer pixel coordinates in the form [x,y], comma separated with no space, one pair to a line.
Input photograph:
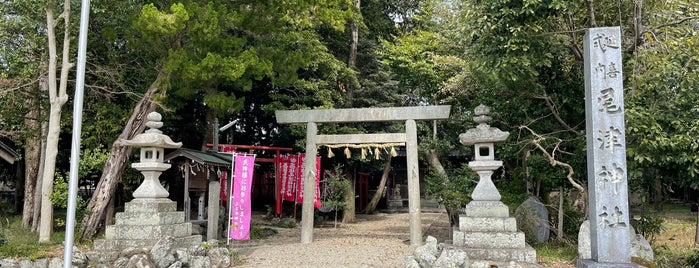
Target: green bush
[59,198]
[6,208]
[259,233]
[513,192]
[4,229]
[454,191]
[334,193]
[692,259]
[3,237]
[648,226]
[287,223]
[572,219]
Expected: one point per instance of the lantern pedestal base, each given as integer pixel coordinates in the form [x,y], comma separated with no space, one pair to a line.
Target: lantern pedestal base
[146,221]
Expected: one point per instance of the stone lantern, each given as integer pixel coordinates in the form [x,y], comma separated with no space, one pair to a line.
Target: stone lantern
[150,216]
[152,142]
[486,230]
[483,138]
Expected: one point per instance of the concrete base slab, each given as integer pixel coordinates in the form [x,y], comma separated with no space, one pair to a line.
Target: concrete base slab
[594,264]
[149,218]
[500,264]
[482,209]
[495,240]
[150,205]
[120,244]
[485,224]
[147,231]
[525,254]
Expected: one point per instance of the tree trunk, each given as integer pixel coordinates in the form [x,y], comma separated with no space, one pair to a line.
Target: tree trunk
[32,155]
[114,166]
[31,172]
[352,59]
[348,215]
[433,160]
[371,207]
[37,192]
[19,189]
[109,211]
[209,132]
[560,214]
[696,229]
[591,13]
[57,98]
[46,220]
[657,193]
[354,39]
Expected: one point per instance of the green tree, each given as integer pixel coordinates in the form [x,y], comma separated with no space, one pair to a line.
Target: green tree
[528,54]
[335,192]
[213,53]
[424,58]
[661,102]
[22,57]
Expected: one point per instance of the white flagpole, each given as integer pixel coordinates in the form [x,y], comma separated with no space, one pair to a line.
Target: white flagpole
[77,128]
[230,199]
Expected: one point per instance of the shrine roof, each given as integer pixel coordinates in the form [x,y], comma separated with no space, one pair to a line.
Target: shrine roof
[7,153]
[206,158]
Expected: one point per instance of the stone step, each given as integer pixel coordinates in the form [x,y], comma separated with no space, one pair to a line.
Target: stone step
[525,254]
[149,218]
[150,205]
[486,209]
[147,231]
[503,264]
[593,264]
[495,240]
[487,224]
[118,245]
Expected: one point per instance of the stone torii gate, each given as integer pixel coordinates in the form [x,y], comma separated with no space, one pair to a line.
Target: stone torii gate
[409,137]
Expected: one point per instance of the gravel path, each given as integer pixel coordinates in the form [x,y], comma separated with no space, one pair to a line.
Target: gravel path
[379,240]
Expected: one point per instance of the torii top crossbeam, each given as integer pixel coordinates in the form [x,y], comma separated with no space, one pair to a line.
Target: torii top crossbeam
[409,137]
[363,114]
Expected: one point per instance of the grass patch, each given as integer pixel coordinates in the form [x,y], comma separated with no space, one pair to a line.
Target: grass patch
[556,253]
[677,207]
[678,234]
[675,245]
[22,243]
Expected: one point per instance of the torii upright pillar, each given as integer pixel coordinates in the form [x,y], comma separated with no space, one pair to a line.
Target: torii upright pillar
[309,179]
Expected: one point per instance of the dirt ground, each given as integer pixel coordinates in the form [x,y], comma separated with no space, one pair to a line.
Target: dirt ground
[379,240]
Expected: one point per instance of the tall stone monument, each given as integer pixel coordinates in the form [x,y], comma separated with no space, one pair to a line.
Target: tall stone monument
[150,216]
[606,150]
[486,230]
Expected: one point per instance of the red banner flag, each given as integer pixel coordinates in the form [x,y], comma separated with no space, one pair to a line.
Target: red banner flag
[299,192]
[290,171]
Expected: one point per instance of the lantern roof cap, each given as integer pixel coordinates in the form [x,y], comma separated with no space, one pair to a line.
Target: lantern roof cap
[152,137]
[483,133]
